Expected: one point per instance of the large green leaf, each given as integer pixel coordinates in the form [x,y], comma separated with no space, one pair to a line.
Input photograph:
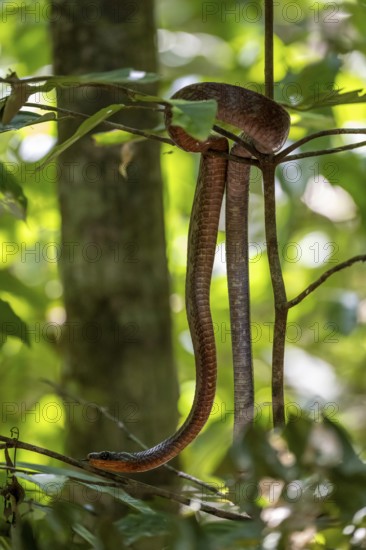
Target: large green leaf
[10,282]
[195,117]
[329,99]
[50,484]
[85,534]
[137,526]
[26,118]
[11,324]
[119,494]
[58,471]
[115,137]
[12,198]
[83,129]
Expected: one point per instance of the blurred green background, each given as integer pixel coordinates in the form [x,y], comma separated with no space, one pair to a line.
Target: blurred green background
[320,49]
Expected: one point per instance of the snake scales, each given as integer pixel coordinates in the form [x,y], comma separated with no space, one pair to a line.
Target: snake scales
[265,126]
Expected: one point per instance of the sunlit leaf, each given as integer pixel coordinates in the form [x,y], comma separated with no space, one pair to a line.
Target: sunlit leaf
[11,324]
[58,471]
[330,99]
[119,494]
[26,118]
[115,137]
[20,92]
[83,129]
[135,527]
[10,282]
[50,484]
[196,117]
[12,198]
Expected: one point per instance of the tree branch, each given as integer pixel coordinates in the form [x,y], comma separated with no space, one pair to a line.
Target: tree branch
[122,426]
[237,139]
[147,135]
[131,486]
[332,132]
[113,125]
[324,151]
[324,277]
[279,293]
[268,48]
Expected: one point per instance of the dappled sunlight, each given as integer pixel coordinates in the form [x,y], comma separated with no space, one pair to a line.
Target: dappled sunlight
[315,249]
[310,376]
[329,200]
[34,147]
[179,48]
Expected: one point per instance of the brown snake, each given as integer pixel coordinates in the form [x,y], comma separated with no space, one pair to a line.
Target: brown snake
[265,126]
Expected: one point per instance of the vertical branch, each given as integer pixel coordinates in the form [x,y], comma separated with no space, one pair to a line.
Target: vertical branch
[237,257]
[268,48]
[279,291]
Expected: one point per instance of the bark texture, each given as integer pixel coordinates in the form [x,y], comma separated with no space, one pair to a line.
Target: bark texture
[117,341]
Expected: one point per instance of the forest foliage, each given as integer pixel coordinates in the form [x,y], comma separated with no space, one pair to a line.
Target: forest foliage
[305,487]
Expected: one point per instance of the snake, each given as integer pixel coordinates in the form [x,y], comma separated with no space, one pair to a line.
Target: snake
[264,125]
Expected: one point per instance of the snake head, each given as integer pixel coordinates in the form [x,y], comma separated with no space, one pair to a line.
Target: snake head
[114,462]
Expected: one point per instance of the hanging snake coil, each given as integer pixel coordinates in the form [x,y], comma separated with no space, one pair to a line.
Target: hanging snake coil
[265,125]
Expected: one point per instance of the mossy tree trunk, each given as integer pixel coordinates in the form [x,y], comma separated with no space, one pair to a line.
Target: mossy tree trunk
[117,343]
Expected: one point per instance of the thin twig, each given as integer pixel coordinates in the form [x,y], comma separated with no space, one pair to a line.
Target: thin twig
[324,277]
[117,126]
[332,132]
[122,426]
[131,486]
[324,152]
[268,49]
[113,125]
[237,139]
[279,293]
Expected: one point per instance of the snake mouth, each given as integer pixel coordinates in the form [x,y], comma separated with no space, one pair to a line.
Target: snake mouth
[117,465]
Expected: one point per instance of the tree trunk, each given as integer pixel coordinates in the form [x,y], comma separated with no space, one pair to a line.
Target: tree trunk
[113,266]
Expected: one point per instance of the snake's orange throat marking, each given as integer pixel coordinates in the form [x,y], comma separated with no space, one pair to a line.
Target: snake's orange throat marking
[266,124]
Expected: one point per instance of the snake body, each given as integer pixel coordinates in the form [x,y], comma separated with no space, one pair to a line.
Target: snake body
[265,124]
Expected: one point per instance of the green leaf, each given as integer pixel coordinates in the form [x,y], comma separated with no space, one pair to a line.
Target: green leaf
[115,137]
[255,455]
[26,118]
[351,463]
[85,534]
[50,484]
[122,496]
[229,532]
[45,469]
[195,117]
[11,324]
[330,99]
[83,129]
[20,92]
[297,433]
[137,526]
[10,282]
[312,120]
[12,198]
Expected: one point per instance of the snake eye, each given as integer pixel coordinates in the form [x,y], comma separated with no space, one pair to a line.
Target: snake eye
[105,455]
